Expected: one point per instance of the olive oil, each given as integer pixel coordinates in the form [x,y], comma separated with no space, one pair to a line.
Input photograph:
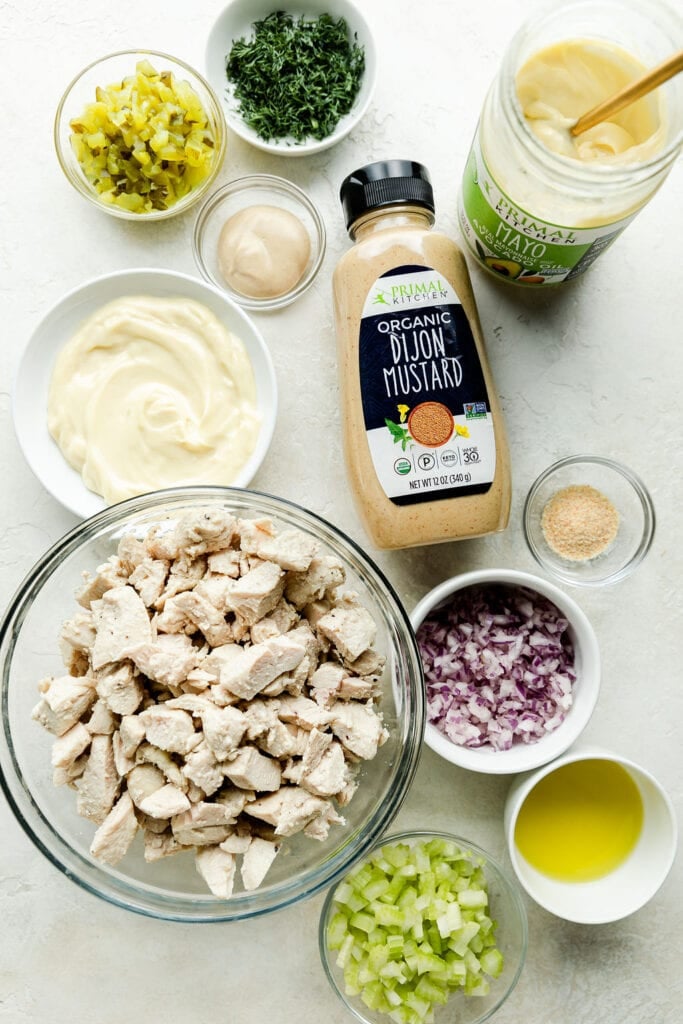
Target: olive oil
[581,821]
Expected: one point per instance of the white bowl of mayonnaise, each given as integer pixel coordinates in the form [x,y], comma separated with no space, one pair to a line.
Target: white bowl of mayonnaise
[142,380]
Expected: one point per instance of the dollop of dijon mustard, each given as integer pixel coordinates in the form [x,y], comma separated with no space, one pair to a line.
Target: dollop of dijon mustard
[152,393]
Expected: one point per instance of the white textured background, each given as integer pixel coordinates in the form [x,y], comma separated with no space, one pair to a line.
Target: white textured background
[597,369]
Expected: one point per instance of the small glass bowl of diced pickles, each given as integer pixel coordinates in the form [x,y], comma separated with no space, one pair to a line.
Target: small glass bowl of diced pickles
[427,928]
[140,134]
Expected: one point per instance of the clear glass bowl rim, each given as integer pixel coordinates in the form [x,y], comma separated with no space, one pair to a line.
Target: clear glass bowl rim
[242,185]
[509,882]
[215,114]
[244,905]
[641,492]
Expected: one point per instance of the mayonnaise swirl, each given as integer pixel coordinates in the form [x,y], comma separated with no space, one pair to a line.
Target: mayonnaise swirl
[560,83]
[153,393]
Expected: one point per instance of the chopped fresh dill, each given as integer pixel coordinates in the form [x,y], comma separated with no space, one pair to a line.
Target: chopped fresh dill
[296,77]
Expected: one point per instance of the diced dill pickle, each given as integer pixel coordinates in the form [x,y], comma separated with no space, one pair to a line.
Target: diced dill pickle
[145,143]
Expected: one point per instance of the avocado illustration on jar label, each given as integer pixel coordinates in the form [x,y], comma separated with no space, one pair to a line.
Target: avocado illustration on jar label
[509,241]
[426,408]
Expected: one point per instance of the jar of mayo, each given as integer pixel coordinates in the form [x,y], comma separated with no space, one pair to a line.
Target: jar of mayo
[424,438]
[538,206]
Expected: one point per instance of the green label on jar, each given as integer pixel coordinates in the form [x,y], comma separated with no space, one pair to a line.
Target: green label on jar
[513,243]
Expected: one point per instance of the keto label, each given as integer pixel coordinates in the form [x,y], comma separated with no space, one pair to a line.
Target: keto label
[515,244]
[425,404]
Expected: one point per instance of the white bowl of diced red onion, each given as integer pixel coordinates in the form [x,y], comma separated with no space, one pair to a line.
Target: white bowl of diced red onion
[512,670]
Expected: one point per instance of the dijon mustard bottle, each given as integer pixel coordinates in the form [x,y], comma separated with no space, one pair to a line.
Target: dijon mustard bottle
[424,439]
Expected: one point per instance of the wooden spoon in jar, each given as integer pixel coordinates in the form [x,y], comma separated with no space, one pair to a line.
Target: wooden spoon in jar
[630,93]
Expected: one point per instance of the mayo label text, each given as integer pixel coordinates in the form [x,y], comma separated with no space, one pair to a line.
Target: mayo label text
[511,242]
[425,404]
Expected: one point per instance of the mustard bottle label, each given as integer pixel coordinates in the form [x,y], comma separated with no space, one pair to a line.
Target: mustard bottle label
[425,404]
[513,243]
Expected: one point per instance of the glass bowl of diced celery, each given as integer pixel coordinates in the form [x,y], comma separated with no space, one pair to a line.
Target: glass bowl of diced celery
[140,134]
[427,928]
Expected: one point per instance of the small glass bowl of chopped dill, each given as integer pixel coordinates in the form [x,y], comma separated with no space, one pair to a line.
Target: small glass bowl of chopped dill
[293,80]
[588,520]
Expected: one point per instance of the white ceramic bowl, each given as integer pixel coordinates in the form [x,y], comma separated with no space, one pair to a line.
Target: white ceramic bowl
[629,886]
[61,322]
[522,757]
[235,22]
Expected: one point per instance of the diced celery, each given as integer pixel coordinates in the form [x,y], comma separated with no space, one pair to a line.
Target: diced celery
[337,930]
[363,921]
[492,962]
[472,898]
[450,920]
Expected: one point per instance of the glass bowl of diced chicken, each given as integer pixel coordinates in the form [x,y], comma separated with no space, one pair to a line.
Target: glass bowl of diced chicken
[212,704]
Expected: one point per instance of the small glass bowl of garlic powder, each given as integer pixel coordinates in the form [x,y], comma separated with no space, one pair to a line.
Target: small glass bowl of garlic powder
[261,240]
[588,520]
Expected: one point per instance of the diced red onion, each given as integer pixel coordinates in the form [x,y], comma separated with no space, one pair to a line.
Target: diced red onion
[499,666]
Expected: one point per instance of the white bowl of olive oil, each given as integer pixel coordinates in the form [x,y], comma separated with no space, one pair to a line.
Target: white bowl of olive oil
[591,836]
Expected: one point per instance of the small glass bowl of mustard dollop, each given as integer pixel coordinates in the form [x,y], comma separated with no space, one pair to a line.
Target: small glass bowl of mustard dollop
[589,520]
[261,240]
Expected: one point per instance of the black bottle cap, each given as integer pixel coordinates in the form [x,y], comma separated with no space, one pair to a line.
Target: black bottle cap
[385,183]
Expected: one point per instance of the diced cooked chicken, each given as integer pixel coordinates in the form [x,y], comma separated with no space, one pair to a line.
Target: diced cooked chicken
[132,733]
[323,575]
[225,563]
[76,637]
[102,719]
[99,783]
[260,716]
[249,769]
[278,741]
[165,802]
[355,688]
[119,688]
[170,729]
[107,576]
[223,729]
[351,629]
[68,774]
[202,532]
[66,699]
[113,838]
[247,673]
[202,768]
[149,579]
[325,683]
[282,618]
[197,681]
[234,800]
[358,727]
[131,552]
[148,753]
[70,745]
[124,763]
[317,743]
[216,590]
[370,663]
[330,774]
[122,623]
[256,862]
[290,549]
[168,659]
[236,842]
[205,617]
[197,694]
[289,809]
[257,593]
[304,712]
[204,824]
[319,828]
[220,657]
[217,868]
[143,780]
[161,844]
